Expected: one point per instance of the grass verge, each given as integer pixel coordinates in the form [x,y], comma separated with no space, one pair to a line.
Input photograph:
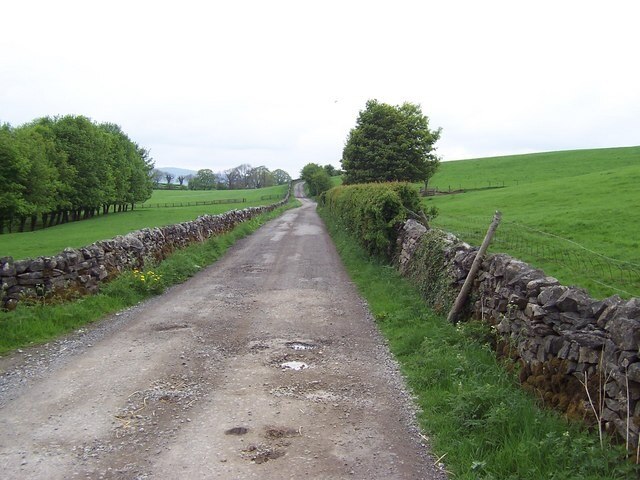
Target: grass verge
[477,416]
[39,323]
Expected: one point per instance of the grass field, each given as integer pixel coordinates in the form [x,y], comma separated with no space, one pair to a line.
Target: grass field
[77,234]
[479,420]
[574,214]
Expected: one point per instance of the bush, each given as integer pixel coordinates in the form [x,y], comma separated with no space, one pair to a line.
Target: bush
[373,212]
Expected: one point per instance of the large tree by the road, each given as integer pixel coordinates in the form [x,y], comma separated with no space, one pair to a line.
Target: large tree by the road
[390,143]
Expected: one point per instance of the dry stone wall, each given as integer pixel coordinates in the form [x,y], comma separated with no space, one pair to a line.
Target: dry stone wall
[562,338]
[81,271]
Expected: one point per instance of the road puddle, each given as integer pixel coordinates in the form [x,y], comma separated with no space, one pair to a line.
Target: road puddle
[300,346]
[294,365]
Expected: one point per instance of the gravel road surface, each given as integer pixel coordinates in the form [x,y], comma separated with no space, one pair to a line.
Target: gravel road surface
[265,365]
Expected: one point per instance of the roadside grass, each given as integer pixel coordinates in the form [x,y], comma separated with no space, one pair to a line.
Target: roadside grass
[53,240]
[482,424]
[33,324]
[584,196]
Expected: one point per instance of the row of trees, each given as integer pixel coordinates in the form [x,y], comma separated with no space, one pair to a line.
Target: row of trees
[240,177]
[55,170]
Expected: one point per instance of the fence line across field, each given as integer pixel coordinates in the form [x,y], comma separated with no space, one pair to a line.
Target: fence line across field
[516,239]
[191,204]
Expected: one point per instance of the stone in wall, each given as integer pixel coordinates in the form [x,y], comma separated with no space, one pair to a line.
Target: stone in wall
[83,270]
[562,337]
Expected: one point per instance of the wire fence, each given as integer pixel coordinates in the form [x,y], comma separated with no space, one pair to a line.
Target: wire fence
[560,257]
[191,204]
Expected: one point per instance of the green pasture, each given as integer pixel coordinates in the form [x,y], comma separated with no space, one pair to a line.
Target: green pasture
[515,170]
[574,214]
[53,240]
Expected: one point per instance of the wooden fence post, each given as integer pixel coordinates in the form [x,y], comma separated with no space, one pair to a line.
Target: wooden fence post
[466,287]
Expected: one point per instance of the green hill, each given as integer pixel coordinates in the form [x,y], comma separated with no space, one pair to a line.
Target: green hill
[575,214]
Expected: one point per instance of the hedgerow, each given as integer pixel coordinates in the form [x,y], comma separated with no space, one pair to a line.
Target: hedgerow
[372,212]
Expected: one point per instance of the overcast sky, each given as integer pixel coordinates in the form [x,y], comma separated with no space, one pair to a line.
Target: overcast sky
[213,84]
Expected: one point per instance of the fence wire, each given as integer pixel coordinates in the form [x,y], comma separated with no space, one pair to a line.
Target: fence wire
[565,259]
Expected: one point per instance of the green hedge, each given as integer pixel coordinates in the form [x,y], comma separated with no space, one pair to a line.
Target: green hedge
[372,212]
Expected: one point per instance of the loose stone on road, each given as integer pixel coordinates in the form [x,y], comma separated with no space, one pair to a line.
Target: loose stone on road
[265,365]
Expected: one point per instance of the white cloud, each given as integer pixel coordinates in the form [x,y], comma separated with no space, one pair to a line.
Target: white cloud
[214,84]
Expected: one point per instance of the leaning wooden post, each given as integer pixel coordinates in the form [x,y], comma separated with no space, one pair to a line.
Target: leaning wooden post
[466,287]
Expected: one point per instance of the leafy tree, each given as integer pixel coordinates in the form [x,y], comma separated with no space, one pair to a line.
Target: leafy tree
[238,177]
[308,170]
[390,143]
[316,178]
[156,176]
[331,170]
[12,169]
[204,179]
[319,182]
[88,151]
[281,177]
[41,182]
[56,168]
[260,177]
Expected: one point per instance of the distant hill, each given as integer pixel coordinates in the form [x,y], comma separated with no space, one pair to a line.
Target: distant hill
[177,171]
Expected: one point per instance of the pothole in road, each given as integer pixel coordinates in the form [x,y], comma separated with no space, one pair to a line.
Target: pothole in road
[282,432]
[294,365]
[252,269]
[300,346]
[261,453]
[170,327]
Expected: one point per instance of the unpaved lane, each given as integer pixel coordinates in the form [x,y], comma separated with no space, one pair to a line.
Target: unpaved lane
[264,365]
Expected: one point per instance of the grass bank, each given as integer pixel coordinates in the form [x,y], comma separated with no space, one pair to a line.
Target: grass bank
[39,323]
[478,419]
[53,240]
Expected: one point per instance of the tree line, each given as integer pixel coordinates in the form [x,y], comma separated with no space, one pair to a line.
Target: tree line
[67,168]
[241,177]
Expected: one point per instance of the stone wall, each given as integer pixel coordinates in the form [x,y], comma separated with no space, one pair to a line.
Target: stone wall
[561,337]
[80,271]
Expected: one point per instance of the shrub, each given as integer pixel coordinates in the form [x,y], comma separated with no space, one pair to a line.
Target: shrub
[372,212]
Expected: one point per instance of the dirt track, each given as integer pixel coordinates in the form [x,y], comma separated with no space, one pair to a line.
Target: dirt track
[202,381]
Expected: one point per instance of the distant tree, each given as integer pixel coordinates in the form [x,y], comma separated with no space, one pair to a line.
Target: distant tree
[260,177]
[222,181]
[390,143]
[308,170]
[331,170]
[319,182]
[157,176]
[169,177]
[238,177]
[205,179]
[181,179]
[281,177]
[316,178]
